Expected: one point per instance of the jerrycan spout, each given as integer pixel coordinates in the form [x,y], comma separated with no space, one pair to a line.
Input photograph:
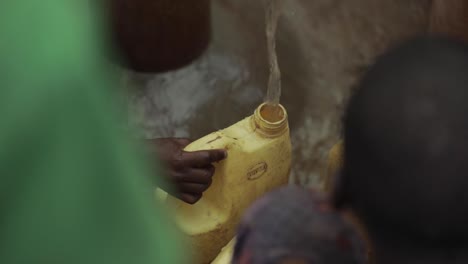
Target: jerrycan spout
[271,121]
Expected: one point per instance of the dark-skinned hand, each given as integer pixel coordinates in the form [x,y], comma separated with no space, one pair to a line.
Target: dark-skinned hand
[190,172]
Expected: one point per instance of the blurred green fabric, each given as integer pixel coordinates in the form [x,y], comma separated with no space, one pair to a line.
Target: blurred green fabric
[73,186]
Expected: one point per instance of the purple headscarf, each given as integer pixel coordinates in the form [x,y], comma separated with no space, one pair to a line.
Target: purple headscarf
[293,223]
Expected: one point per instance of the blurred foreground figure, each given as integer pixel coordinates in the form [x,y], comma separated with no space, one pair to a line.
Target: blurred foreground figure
[296,225]
[73,187]
[405,148]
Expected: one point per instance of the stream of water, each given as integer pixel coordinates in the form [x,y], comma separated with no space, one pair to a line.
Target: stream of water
[273,12]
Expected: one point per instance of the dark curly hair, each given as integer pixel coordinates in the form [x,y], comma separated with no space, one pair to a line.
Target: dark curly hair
[406,144]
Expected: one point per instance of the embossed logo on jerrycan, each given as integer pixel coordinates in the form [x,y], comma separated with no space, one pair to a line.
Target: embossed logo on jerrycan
[259,160]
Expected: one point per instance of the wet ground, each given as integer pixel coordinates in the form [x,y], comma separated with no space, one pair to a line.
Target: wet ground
[323,48]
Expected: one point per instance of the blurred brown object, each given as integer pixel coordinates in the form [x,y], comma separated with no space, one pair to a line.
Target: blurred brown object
[160,35]
[333,168]
[449,17]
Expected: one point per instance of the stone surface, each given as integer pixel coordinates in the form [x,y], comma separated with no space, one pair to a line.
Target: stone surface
[323,48]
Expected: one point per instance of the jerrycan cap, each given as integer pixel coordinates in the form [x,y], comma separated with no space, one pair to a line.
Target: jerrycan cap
[270,120]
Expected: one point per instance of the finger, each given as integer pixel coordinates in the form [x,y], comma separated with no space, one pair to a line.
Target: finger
[204,158]
[195,188]
[190,198]
[197,175]
[183,142]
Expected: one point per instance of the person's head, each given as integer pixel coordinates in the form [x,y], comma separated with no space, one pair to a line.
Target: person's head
[405,171]
[296,225]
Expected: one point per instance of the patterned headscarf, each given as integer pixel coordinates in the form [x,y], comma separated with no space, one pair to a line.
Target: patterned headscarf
[296,225]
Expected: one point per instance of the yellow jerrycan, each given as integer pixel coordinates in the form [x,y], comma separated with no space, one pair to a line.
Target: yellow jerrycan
[259,160]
